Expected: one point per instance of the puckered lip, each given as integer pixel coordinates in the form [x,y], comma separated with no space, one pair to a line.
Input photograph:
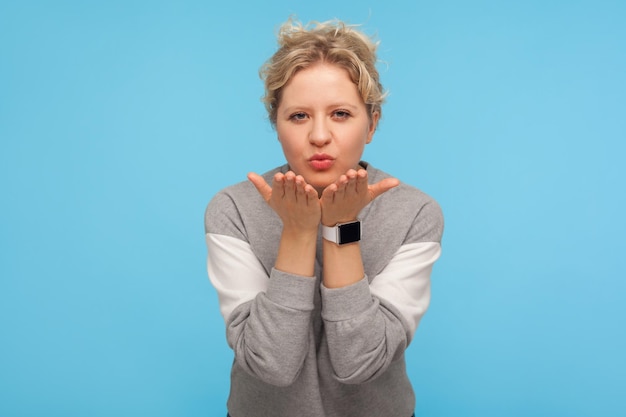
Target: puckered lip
[321,157]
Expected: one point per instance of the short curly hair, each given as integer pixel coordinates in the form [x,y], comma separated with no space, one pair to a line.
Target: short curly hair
[334,42]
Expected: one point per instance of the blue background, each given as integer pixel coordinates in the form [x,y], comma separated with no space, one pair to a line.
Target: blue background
[119,120]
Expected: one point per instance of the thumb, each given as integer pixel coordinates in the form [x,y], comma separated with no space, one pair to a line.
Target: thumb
[261,185]
[383,186]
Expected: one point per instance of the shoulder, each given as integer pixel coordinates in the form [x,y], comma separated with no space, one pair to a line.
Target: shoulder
[228,210]
[408,208]
[403,193]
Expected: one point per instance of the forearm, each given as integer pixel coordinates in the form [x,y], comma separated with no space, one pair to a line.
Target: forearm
[343,264]
[368,326]
[364,337]
[270,334]
[267,316]
[296,253]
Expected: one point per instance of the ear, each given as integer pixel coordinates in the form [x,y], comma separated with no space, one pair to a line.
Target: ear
[372,127]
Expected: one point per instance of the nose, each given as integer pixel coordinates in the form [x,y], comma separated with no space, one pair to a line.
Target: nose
[320,133]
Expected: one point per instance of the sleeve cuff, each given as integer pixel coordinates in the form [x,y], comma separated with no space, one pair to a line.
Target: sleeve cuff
[340,304]
[292,291]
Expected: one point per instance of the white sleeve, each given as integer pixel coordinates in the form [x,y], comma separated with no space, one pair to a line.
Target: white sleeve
[235,271]
[405,281]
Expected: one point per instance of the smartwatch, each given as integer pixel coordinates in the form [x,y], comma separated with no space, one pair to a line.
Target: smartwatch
[343,233]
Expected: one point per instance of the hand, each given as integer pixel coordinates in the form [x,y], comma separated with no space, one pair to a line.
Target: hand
[295,201]
[344,199]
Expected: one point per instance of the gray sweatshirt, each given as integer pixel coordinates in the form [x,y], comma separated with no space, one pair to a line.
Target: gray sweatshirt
[305,350]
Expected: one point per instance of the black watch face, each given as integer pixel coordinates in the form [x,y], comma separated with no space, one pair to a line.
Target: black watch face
[350,232]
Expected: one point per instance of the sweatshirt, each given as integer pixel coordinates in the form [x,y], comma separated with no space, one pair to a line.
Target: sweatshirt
[301,349]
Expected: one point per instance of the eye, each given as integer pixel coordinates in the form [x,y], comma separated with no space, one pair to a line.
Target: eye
[341,114]
[298,117]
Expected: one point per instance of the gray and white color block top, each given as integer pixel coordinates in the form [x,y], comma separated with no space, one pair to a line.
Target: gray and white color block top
[302,349]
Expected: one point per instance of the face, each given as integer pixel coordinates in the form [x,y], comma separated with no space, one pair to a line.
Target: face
[323,124]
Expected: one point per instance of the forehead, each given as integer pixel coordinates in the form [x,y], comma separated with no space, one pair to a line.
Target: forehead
[321,82]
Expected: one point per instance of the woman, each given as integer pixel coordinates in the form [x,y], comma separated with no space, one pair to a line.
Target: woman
[322,266]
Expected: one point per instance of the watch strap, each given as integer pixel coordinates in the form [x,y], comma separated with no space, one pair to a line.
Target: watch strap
[343,233]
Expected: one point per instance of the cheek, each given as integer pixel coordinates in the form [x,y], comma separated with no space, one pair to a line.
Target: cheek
[290,148]
[286,144]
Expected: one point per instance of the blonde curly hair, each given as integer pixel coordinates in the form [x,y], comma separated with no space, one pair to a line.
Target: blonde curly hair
[333,42]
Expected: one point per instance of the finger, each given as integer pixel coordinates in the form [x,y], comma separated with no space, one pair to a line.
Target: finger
[351,184]
[278,185]
[383,186]
[341,184]
[261,185]
[290,185]
[311,194]
[361,181]
[300,188]
[328,195]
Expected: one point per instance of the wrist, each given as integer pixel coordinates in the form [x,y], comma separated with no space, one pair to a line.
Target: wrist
[299,233]
[332,222]
[342,233]
[296,252]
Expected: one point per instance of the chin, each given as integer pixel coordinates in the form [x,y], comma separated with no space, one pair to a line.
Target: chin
[322,179]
